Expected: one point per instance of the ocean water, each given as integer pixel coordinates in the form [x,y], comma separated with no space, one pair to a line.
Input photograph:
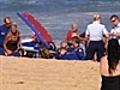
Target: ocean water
[58,15]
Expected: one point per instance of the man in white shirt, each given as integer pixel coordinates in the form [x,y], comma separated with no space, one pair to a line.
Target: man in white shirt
[115,31]
[95,33]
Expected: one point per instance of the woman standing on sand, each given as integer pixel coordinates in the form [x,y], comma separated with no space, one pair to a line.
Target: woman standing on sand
[95,32]
[12,41]
[110,67]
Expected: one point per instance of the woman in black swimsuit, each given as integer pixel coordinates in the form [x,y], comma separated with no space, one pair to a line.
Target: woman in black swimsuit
[12,41]
[110,67]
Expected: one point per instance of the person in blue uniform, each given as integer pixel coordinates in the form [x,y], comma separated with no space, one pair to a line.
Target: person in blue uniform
[61,50]
[71,53]
[95,33]
[115,31]
[79,51]
[110,67]
[4,29]
[65,53]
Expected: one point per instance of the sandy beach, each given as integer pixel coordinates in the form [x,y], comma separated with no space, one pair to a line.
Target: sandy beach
[42,74]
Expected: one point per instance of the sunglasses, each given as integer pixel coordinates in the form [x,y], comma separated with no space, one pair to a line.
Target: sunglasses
[8,23]
[113,20]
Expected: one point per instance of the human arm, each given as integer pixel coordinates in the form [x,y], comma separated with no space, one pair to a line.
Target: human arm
[19,45]
[104,66]
[105,36]
[87,37]
[80,53]
[115,34]
[80,38]
[83,39]
[105,32]
[87,33]
[5,42]
[60,54]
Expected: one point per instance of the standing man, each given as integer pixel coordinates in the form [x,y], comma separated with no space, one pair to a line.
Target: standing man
[4,29]
[95,33]
[115,32]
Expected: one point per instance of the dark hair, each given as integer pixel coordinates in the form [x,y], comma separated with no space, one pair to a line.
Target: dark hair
[76,39]
[113,54]
[6,18]
[114,16]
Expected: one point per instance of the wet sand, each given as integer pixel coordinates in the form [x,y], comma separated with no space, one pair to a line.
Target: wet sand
[43,74]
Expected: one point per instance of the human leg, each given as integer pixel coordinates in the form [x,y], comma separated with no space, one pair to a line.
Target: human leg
[90,51]
[100,50]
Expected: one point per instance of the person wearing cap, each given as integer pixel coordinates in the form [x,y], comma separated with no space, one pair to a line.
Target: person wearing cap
[115,31]
[4,29]
[95,33]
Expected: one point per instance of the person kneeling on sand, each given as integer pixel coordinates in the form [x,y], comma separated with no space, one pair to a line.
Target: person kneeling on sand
[12,42]
[79,51]
[64,52]
[4,29]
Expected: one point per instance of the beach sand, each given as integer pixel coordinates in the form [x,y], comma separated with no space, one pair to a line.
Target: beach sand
[42,74]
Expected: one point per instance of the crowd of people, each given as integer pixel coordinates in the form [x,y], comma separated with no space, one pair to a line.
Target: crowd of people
[10,40]
[95,39]
[99,44]
[91,45]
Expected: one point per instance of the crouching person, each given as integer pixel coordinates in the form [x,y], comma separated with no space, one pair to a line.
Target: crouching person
[12,42]
[79,51]
[64,53]
[4,29]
